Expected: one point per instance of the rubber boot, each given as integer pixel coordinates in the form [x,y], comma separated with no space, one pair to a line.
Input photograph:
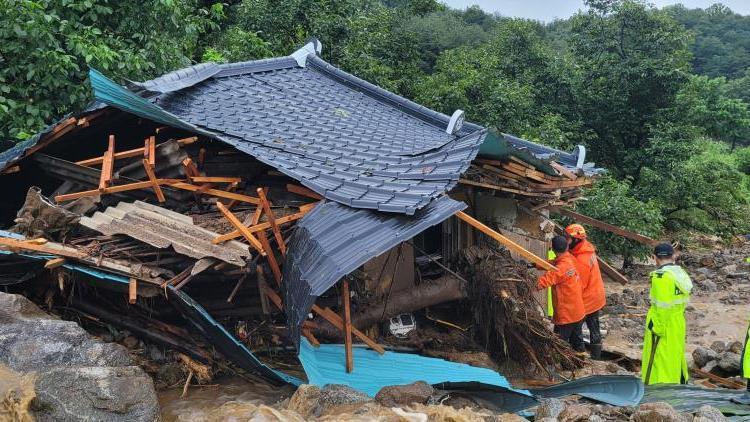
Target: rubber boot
[743,399]
[596,351]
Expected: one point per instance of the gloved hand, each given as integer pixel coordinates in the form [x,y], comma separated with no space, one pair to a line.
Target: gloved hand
[657,329]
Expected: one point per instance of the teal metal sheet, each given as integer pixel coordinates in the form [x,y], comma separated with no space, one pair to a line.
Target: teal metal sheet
[372,371]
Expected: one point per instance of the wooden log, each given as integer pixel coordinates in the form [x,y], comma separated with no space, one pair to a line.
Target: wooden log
[149,168]
[303,191]
[239,226]
[580,218]
[272,220]
[105,177]
[132,291]
[505,241]
[259,227]
[347,327]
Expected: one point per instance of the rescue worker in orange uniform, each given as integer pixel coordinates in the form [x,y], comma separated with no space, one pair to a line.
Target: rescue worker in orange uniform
[592,284]
[567,297]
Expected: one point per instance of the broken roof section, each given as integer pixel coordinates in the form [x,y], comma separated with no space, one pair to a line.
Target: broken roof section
[346,139]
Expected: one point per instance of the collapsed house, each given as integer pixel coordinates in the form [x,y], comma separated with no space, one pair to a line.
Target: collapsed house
[285,202]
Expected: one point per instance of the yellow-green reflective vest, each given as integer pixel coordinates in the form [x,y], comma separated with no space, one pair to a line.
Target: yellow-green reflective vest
[551,255]
[665,322]
[746,357]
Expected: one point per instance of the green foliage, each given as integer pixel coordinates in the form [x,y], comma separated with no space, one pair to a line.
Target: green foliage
[613,201]
[48,46]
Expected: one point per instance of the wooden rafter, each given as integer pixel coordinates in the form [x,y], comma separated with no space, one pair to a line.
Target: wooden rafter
[272,262]
[272,220]
[25,245]
[580,218]
[213,192]
[337,322]
[111,189]
[108,165]
[347,326]
[233,220]
[259,227]
[129,153]
[132,291]
[303,191]
[149,168]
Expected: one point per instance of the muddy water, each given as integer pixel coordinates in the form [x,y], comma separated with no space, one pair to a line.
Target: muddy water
[16,393]
[210,402]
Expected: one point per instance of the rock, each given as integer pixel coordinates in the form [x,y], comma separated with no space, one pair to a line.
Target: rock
[730,362]
[77,377]
[401,395]
[718,346]
[728,269]
[707,413]
[707,285]
[737,347]
[549,408]
[305,400]
[710,366]
[130,342]
[575,413]
[336,395]
[657,412]
[703,355]
[707,262]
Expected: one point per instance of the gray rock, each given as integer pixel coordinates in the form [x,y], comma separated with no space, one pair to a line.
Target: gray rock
[657,412]
[708,286]
[710,366]
[335,395]
[728,269]
[77,376]
[730,362]
[549,408]
[575,413]
[708,414]
[703,355]
[402,395]
[736,347]
[719,346]
[305,400]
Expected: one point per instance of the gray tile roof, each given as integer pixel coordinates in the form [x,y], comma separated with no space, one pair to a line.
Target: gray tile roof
[340,136]
[333,240]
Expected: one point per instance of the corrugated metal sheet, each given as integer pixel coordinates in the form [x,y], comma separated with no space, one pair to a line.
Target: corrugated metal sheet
[688,398]
[372,371]
[333,240]
[220,338]
[163,228]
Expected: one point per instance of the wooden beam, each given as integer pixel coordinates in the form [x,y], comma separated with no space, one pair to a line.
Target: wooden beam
[310,337]
[273,296]
[611,271]
[511,245]
[214,179]
[151,151]
[129,153]
[108,165]
[54,263]
[563,171]
[580,218]
[190,169]
[272,220]
[111,189]
[504,189]
[272,262]
[201,158]
[259,227]
[213,192]
[132,291]
[337,322]
[239,226]
[347,326]
[303,191]
[15,244]
[149,168]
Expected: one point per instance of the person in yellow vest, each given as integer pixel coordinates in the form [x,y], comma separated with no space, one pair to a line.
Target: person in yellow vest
[664,340]
[745,398]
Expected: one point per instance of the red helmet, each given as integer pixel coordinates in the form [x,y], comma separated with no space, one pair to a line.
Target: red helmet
[576,231]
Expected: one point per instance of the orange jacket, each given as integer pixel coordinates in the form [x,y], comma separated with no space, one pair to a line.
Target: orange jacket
[592,284]
[567,299]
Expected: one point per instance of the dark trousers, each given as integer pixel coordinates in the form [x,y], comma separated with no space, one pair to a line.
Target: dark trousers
[573,334]
[592,322]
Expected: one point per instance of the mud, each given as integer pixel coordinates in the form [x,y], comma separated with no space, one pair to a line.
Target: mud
[16,395]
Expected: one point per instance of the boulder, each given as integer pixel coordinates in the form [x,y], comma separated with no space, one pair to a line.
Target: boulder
[337,395]
[575,413]
[719,346]
[305,400]
[402,395]
[707,413]
[549,408]
[730,362]
[77,376]
[703,355]
[657,412]
[710,366]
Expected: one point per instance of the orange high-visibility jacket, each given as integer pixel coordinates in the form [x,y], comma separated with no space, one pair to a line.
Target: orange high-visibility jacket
[567,297]
[592,284]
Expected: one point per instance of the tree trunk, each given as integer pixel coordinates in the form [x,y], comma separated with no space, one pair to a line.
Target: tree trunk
[429,293]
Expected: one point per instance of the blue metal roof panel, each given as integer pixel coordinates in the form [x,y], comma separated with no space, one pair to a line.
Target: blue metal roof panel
[333,240]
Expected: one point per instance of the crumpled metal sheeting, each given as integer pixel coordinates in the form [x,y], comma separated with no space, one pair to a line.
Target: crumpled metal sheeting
[162,228]
[334,240]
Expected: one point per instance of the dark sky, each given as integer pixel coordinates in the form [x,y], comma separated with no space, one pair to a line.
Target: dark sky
[548,10]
